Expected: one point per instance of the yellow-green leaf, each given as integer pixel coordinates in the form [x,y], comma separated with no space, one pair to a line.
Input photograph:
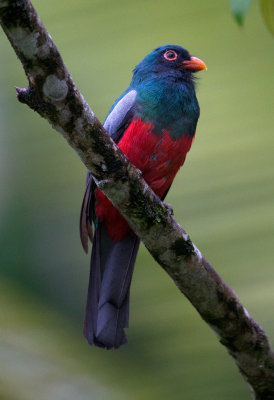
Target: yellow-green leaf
[267,9]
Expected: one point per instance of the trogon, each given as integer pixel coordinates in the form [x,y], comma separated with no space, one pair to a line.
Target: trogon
[154,123]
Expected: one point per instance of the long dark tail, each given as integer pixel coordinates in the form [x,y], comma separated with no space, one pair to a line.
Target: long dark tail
[107,310]
[111,269]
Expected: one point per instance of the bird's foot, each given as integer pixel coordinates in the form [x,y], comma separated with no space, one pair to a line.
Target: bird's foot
[169,208]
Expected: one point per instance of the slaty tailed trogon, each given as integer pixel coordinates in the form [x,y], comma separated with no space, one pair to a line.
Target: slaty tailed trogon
[153,122]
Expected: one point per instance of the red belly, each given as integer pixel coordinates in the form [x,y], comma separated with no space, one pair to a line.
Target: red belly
[157,156]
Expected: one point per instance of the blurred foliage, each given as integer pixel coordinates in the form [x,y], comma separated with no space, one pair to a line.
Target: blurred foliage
[223,197]
[239,9]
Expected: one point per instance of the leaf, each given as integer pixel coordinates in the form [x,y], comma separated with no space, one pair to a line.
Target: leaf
[239,9]
[267,10]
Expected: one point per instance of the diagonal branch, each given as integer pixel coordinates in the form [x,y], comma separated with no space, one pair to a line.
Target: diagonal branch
[53,94]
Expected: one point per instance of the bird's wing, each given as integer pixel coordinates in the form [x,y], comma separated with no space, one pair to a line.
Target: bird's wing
[120,115]
[116,123]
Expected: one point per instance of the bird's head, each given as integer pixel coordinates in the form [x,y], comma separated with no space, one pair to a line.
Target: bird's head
[169,60]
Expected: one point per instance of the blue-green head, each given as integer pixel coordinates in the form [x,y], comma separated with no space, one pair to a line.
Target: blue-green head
[169,60]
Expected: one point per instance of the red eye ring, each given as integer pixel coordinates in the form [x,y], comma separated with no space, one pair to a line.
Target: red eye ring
[170,55]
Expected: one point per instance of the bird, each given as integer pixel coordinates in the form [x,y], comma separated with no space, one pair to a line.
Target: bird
[154,123]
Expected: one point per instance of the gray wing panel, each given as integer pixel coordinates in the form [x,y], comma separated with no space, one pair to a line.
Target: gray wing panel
[117,116]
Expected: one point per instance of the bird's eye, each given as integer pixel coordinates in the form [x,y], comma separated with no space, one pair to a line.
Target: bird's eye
[170,55]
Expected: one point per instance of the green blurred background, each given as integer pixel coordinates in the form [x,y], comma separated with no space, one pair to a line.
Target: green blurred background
[223,197]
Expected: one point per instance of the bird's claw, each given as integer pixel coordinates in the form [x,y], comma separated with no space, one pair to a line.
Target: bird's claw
[169,208]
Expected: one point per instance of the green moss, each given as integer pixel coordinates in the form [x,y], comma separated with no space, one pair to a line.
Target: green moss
[150,214]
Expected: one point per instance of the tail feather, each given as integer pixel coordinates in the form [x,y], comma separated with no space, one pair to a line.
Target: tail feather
[90,322]
[107,310]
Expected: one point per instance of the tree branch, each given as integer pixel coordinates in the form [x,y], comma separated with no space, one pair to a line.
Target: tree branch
[53,94]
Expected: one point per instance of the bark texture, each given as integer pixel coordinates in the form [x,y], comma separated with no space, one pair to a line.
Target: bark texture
[52,93]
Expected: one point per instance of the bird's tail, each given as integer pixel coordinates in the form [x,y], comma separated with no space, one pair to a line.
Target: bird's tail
[107,309]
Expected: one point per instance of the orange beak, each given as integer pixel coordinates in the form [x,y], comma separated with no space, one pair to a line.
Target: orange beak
[194,64]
